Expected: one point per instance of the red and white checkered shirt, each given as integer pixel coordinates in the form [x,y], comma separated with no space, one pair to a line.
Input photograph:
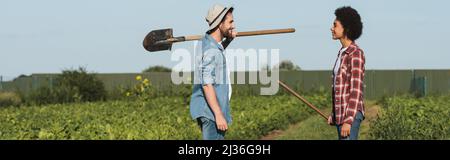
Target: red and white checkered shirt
[348,88]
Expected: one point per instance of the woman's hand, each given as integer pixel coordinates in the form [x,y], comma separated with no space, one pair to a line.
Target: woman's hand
[330,120]
[345,130]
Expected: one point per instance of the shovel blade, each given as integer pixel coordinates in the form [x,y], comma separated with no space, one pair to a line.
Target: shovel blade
[150,41]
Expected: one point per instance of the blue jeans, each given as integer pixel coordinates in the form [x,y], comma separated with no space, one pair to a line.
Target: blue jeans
[354,130]
[209,129]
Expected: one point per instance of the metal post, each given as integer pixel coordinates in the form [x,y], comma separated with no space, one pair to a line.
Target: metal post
[1,82]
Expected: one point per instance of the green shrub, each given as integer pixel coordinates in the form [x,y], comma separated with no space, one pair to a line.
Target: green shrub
[287,65]
[157,69]
[70,86]
[9,99]
[186,92]
[406,118]
[42,95]
[84,86]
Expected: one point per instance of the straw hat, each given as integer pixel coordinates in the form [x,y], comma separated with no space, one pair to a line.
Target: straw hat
[216,14]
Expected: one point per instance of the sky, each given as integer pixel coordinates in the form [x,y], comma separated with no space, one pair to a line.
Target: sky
[105,36]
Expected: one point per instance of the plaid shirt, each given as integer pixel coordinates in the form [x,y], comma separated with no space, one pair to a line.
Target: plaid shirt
[348,88]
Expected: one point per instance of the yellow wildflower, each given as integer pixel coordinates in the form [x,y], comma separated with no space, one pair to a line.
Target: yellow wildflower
[138,78]
[146,81]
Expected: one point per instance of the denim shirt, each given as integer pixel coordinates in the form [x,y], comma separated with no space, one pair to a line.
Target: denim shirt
[210,68]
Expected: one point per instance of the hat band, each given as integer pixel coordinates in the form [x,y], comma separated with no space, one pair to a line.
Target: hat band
[218,16]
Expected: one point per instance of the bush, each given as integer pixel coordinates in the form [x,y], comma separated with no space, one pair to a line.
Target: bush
[9,99]
[157,69]
[71,86]
[81,85]
[42,95]
[409,118]
[287,65]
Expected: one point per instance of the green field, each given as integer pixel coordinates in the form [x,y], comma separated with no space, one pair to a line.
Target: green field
[254,117]
[160,118]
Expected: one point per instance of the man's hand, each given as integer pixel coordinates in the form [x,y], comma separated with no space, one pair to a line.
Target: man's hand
[221,122]
[232,33]
[345,130]
[330,120]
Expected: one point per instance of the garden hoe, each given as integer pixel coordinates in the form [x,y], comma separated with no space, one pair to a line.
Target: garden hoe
[159,40]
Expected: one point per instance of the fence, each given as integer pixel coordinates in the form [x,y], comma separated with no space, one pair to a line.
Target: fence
[378,83]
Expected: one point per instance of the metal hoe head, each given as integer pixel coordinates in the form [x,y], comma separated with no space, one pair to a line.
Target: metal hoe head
[156,40]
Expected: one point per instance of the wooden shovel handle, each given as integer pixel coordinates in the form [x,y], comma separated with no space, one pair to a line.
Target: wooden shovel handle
[193,37]
[264,32]
[248,33]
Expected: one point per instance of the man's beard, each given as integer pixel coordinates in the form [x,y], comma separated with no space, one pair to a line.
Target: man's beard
[226,33]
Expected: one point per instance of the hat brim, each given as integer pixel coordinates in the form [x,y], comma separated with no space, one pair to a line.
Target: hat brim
[221,16]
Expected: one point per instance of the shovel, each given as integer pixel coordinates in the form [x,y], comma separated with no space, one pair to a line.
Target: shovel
[302,99]
[160,40]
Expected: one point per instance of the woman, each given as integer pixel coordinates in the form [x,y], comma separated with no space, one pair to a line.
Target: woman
[348,75]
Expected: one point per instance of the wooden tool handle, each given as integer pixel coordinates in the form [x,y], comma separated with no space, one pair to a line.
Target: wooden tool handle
[193,37]
[264,32]
[302,99]
[248,33]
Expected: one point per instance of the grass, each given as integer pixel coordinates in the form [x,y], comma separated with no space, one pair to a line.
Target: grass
[316,128]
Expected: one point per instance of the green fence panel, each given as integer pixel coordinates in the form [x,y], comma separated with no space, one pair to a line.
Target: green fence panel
[377,83]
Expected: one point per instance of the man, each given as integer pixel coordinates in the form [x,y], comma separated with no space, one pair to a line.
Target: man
[348,75]
[212,89]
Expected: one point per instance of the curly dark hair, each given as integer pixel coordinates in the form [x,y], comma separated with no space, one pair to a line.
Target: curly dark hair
[351,22]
